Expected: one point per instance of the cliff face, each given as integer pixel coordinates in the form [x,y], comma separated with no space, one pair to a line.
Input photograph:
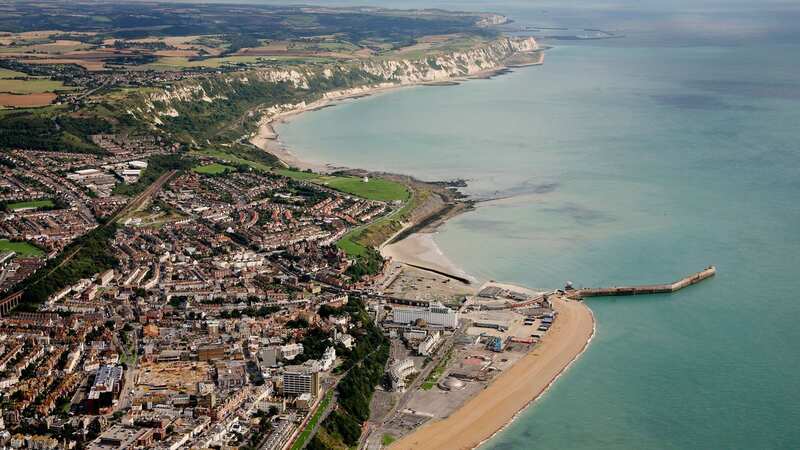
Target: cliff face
[451,65]
[302,84]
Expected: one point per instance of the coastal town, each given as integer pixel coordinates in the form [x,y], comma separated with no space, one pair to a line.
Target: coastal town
[170,277]
[228,316]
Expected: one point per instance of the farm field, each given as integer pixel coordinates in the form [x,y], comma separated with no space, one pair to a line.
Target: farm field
[30,86]
[26,100]
[7,73]
[29,92]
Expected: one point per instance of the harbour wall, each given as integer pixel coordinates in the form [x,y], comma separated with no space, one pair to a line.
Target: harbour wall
[645,289]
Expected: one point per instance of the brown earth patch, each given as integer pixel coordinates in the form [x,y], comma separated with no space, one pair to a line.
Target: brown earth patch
[176,53]
[27,100]
[93,65]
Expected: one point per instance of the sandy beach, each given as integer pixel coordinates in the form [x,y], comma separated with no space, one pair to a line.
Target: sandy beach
[420,249]
[267,139]
[495,407]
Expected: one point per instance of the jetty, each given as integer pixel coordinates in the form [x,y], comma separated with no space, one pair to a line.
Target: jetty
[644,289]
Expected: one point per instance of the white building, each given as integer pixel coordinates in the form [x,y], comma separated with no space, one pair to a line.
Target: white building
[328,358]
[106,277]
[346,340]
[436,314]
[399,371]
[427,346]
[290,351]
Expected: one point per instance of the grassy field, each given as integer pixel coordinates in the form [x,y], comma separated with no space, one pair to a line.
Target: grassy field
[213,169]
[51,48]
[182,62]
[356,241]
[233,159]
[376,189]
[33,86]
[349,243]
[436,373]
[20,248]
[6,73]
[300,442]
[46,203]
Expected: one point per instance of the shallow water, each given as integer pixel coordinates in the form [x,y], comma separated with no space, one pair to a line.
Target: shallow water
[625,162]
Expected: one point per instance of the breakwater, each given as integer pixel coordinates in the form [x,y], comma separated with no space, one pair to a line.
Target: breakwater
[694,278]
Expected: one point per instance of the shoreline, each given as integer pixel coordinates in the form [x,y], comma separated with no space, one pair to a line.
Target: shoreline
[420,250]
[489,412]
[549,385]
[495,408]
[267,138]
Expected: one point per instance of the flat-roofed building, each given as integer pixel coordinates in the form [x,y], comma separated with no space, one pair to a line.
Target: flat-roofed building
[436,314]
[301,379]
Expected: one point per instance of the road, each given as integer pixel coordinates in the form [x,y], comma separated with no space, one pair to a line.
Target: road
[130,371]
[415,385]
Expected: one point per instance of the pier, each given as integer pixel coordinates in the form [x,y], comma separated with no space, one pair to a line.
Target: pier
[645,289]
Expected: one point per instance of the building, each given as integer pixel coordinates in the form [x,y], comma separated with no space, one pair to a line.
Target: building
[211,352]
[105,389]
[427,346]
[106,277]
[231,374]
[399,371]
[304,402]
[268,357]
[291,351]
[328,358]
[119,438]
[346,340]
[301,379]
[436,314]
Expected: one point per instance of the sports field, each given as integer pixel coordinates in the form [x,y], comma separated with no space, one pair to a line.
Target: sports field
[20,248]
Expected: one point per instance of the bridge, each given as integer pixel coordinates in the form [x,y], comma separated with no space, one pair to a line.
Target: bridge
[694,278]
[9,303]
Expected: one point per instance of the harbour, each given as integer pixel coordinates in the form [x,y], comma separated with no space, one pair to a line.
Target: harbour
[644,289]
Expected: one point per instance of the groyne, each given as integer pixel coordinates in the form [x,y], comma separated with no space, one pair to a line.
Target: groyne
[644,289]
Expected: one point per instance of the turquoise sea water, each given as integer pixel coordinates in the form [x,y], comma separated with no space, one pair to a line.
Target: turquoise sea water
[632,161]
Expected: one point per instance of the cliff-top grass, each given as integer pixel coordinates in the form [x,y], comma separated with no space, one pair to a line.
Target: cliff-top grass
[374,189]
[212,169]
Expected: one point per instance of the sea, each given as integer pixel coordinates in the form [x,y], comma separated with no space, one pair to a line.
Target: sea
[637,159]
